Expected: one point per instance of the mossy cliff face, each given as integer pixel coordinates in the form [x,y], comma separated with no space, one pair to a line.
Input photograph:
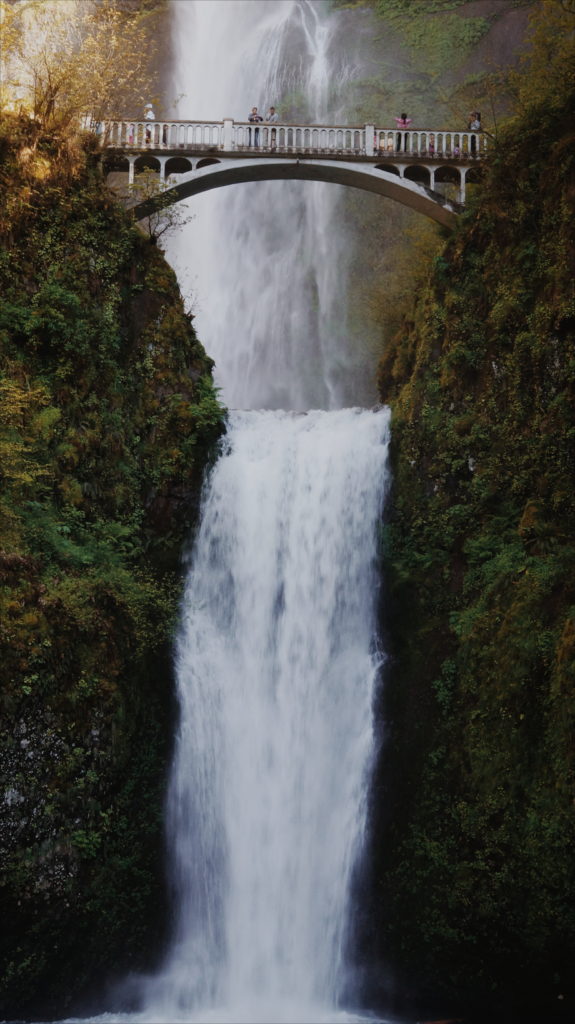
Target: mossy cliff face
[474,877]
[107,415]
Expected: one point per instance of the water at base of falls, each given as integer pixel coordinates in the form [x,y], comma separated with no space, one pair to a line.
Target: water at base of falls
[254,1013]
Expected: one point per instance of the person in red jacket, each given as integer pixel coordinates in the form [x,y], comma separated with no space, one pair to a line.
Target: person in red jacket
[402,122]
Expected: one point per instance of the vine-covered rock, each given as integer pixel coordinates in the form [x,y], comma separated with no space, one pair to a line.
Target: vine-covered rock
[107,415]
[474,833]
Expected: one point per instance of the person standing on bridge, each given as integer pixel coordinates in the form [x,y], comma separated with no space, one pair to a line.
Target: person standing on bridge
[402,122]
[272,118]
[474,125]
[255,118]
[150,116]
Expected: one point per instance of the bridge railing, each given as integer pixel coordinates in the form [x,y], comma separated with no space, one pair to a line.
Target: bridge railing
[243,137]
[447,144]
[299,138]
[162,134]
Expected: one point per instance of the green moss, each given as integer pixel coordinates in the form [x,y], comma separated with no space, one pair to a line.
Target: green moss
[440,38]
[108,415]
[475,869]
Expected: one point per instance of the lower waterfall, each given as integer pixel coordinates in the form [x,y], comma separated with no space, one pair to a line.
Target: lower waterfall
[276,664]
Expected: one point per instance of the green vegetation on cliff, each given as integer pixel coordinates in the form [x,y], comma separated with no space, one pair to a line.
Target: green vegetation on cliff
[475,871]
[107,414]
[437,60]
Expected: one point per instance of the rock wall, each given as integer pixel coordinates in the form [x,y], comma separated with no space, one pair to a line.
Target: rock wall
[473,875]
[107,417]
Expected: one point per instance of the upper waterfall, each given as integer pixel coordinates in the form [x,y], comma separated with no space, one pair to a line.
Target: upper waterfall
[266,263]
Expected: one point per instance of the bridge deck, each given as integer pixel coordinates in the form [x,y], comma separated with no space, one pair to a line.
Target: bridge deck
[229,138]
[411,167]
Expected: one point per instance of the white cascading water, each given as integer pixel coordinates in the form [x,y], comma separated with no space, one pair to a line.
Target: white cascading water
[266,262]
[276,657]
[276,667]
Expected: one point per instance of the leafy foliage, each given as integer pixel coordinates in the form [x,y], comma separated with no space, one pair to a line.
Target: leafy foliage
[63,62]
[437,61]
[107,415]
[439,33]
[167,217]
[475,858]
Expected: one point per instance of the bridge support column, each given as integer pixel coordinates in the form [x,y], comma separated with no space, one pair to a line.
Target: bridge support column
[369,139]
[461,194]
[162,161]
[132,163]
[228,134]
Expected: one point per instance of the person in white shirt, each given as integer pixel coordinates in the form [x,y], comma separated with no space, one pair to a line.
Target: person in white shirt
[150,116]
[474,125]
[272,118]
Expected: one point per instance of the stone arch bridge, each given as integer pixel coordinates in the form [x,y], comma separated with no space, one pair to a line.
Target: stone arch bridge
[195,156]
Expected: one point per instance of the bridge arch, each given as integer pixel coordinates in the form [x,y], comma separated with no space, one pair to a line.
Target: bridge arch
[380,180]
[472,175]
[417,173]
[389,169]
[447,175]
[147,162]
[119,163]
[178,165]
[207,162]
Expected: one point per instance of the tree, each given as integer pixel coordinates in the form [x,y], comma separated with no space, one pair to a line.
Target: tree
[549,61]
[166,215]
[63,61]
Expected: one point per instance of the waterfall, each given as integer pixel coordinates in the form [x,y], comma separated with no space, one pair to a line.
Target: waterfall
[268,278]
[277,656]
[276,664]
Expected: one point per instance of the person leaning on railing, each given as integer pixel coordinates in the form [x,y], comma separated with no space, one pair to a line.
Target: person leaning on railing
[272,118]
[474,125]
[149,116]
[402,122]
[254,118]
